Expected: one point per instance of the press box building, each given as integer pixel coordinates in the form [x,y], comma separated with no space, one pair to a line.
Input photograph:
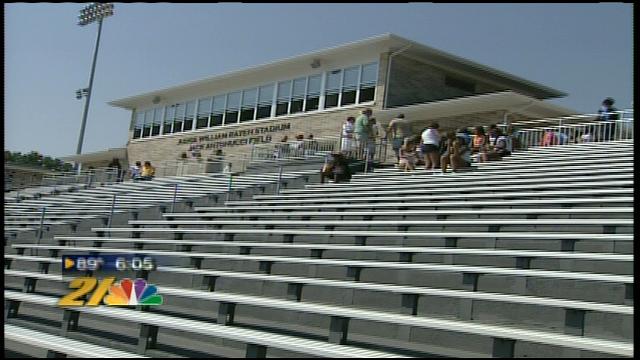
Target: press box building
[314,93]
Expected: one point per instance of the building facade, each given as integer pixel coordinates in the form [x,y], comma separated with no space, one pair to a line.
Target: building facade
[314,94]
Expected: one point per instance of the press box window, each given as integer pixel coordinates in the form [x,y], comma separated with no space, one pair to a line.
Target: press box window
[188,119]
[217,111]
[204,109]
[249,98]
[265,98]
[157,121]
[148,120]
[282,102]
[297,96]
[332,92]
[313,93]
[233,108]
[137,130]
[168,119]
[368,80]
[350,86]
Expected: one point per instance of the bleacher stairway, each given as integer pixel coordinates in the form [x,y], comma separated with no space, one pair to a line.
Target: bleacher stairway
[531,256]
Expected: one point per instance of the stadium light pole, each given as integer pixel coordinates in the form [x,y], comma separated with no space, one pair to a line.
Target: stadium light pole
[89,14]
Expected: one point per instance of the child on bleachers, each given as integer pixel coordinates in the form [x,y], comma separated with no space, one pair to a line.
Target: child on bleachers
[480,144]
[407,156]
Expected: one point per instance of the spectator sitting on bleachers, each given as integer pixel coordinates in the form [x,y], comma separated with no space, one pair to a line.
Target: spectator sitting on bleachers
[492,135]
[408,156]
[500,148]
[336,168]
[456,153]
[480,144]
[464,146]
[135,171]
[148,171]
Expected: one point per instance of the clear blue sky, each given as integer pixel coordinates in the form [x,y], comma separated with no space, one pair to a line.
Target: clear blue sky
[584,50]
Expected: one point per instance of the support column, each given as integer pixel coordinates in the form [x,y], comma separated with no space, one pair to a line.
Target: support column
[523,262]
[256,351]
[70,320]
[29,285]
[503,348]
[465,307]
[353,273]
[574,322]
[209,283]
[195,262]
[148,338]
[410,304]
[294,291]
[55,354]
[226,313]
[265,267]
[338,330]
[628,294]
[568,245]
[11,310]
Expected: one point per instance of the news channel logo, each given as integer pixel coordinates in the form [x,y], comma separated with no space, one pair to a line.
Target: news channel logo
[91,291]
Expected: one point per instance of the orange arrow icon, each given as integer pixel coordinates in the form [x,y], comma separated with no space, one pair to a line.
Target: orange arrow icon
[68,263]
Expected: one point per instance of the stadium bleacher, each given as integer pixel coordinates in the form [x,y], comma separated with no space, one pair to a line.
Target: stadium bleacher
[531,256]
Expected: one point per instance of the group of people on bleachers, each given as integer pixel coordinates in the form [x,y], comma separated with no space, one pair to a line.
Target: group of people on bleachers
[299,148]
[144,172]
[453,149]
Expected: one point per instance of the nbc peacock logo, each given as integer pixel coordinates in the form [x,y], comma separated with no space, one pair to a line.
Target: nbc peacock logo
[128,292]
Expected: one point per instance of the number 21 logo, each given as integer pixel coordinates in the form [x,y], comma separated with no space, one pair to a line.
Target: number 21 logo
[126,292]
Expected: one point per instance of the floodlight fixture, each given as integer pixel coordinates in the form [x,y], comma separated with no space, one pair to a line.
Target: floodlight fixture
[93,12]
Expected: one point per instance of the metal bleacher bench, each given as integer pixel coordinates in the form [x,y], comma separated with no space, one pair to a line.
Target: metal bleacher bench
[498,179]
[621,200]
[296,283]
[489,222]
[257,341]
[58,346]
[451,238]
[421,175]
[355,266]
[442,213]
[504,337]
[482,192]
[523,257]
